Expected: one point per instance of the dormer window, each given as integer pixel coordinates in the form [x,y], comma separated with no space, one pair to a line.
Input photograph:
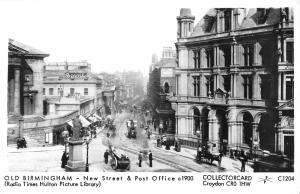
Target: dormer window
[262,15]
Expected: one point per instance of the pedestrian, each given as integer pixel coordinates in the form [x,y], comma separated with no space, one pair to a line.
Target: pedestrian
[243,159]
[149,133]
[106,154]
[158,142]
[64,159]
[150,158]
[199,152]
[140,157]
[168,144]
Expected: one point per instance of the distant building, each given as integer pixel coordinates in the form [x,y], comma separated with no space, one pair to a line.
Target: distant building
[71,86]
[161,87]
[235,68]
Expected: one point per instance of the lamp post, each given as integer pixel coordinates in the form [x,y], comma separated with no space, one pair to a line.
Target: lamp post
[87,141]
[198,145]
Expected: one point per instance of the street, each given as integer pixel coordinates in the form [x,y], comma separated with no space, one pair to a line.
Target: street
[49,158]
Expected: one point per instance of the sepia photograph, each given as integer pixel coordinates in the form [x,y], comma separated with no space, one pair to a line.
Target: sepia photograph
[128,86]
[220,99]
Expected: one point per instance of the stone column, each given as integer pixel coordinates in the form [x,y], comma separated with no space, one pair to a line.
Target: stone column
[232,131]
[279,85]
[284,50]
[38,100]
[213,131]
[17,100]
[217,81]
[11,92]
[255,86]
[280,49]
[216,56]
[255,54]
[202,86]
[283,88]
[234,50]
[21,128]
[234,85]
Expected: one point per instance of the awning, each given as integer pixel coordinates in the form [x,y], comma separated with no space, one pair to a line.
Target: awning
[95,115]
[70,123]
[85,123]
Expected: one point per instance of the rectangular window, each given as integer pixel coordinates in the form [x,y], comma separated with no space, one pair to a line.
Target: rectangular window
[209,86]
[247,87]
[290,52]
[289,81]
[248,54]
[265,87]
[86,91]
[44,91]
[72,91]
[196,85]
[51,91]
[227,55]
[210,57]
[196,59]
[227,83]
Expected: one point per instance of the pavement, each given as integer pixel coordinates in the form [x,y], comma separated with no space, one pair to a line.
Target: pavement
[229,164]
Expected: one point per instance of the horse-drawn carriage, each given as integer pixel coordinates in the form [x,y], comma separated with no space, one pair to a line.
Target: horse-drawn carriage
[119,160]
[205,155]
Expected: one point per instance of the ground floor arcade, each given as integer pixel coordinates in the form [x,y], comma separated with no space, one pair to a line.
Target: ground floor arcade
[223,127]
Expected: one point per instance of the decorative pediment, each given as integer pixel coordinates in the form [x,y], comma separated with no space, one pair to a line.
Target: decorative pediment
[219,93]
[287,122]
[287,106]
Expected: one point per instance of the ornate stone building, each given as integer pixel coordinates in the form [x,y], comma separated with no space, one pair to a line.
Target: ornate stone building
[235,67]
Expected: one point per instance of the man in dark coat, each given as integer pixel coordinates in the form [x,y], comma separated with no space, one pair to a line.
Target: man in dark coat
[140,157]
[150,158]
[243,159]
[64,159]
[106,154]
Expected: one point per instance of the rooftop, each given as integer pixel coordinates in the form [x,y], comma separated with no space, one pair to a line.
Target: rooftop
[16,47]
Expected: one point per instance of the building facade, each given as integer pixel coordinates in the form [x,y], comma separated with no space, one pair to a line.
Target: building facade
[235,67]
[161,87]
[25,75]
[70,86]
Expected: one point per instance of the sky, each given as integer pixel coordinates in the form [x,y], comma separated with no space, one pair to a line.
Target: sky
[111,35]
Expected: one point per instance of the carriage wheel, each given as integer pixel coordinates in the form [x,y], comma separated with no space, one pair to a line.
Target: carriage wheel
[113,163]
